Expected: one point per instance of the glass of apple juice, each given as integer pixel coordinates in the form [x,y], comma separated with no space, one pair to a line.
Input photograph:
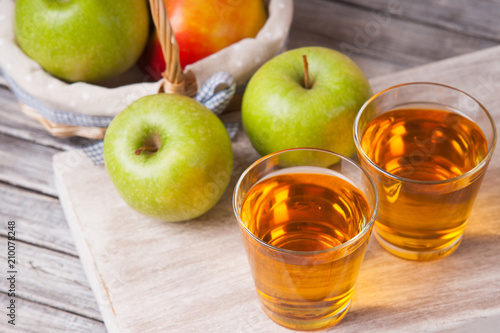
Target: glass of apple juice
[305,216]
[426,147]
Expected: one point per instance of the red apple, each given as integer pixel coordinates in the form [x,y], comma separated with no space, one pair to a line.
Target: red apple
[151,61]
[203,27]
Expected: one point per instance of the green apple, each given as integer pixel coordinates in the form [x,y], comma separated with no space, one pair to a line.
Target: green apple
[280,112]
[82,40]
[168,156]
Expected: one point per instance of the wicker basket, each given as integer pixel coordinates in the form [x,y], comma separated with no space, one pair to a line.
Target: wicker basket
[83,109]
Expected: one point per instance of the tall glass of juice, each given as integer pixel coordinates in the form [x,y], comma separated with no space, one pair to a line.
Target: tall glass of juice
[305,216]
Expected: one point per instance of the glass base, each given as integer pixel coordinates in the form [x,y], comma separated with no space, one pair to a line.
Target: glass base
[300,324]
[418,255]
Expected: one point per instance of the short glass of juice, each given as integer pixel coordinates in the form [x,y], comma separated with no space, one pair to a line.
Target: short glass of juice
[305,216]
[426,146]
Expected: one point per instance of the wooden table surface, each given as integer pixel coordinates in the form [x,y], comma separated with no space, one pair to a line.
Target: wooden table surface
[52,290]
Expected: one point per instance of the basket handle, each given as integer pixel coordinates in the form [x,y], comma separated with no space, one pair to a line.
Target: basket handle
[175,81]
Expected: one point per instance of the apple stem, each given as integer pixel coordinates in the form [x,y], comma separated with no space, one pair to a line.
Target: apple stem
[306,71]
[147,148]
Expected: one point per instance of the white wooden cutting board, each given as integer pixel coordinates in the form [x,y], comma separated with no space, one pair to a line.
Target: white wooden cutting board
[150,276]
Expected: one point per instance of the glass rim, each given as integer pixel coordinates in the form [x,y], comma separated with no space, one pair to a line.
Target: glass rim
[353,240]
[479,166]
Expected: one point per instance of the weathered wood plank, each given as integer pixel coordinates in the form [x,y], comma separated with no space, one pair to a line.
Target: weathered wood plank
[26,164]
[392,42]
[468,17]
[39,218]
[36,318]
[52,278]
[478,76]
[203,261]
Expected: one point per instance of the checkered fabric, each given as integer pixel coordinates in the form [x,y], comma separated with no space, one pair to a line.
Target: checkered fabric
[212,96]
[95,152]
[57,116]
[215,94]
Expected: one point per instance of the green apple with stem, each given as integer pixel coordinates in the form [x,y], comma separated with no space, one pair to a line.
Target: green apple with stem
[169,157]
[306,97]
[82,40]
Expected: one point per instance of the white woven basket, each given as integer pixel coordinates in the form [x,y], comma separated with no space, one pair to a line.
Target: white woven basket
[94,106]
